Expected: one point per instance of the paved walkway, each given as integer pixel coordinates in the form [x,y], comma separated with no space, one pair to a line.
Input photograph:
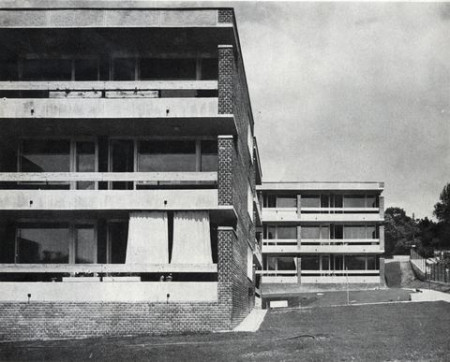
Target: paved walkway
[428,295]
[252,322]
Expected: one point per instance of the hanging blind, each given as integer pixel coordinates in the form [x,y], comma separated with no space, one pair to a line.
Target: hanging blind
[191,238]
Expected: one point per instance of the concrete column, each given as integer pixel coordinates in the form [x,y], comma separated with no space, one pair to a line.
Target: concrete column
[382,278]
[299,237]
[381,203]
[299,206]
[381,237]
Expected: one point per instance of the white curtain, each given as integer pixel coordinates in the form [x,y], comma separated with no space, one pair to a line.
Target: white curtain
[191,238]
[148,238]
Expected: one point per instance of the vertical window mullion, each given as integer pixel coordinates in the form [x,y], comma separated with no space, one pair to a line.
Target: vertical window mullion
[198,155]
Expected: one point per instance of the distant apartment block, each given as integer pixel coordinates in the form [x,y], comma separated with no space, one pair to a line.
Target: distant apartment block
[321,234]
[128,166]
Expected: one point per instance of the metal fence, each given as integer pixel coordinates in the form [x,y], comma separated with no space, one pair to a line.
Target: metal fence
[432,269]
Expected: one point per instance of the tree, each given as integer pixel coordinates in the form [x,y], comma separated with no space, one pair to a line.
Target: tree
[401,231]
[442,208]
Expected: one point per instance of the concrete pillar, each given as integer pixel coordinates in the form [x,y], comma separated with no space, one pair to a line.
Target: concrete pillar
[381,237]
[381,203]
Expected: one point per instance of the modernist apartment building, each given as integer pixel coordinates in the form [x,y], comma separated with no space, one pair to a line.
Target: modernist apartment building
[320,234]
[128,167]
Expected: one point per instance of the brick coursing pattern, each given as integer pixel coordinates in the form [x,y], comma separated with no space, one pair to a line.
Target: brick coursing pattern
[225,16]
[22,321]
[236,172]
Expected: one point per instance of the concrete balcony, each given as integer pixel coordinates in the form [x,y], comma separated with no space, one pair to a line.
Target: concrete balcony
[340,276]
[85,15]
[73,200]
[291,215]
[278,276]
[322,246]
[105,108]
[114,291]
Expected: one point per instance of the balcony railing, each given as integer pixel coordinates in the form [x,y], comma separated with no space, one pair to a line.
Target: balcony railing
[105,89]
[137,178]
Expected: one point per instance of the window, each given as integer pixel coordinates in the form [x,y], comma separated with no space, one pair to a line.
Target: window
[86,69]
[85,162]
[287,201]
[311,201]
[270,232]
[85,244]
[43,244]
[46,69]
[168,69]
[310,232]
[209,158]
[310,262]
[210,69]
[117,242]
[124,69]
[166,156]
[8,70]
[355,262]
[286,263]
[45,156]
[287,232]
[354,201]
[355,232]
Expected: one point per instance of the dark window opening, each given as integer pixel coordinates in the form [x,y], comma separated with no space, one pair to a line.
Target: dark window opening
[86,69]
[46,69]
[8,70]
[210,69]
[122,158]
[124,69]
[45,156]
[168,69]
[166,156]
[209,157]
[118,237]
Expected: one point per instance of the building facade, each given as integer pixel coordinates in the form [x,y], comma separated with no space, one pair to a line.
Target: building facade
[321,235]
[128,168]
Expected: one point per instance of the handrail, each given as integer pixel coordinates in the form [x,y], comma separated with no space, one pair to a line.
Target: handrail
[140,85]
[108,268]
[107,176]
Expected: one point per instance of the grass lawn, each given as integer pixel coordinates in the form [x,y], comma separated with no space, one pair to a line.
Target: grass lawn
[385,332]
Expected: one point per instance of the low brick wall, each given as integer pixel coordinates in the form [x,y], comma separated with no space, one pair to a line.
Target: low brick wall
[22,321]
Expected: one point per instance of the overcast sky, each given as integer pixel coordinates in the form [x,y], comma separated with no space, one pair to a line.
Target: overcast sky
[352,92]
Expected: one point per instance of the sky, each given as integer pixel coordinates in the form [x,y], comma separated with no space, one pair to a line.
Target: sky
[352,92]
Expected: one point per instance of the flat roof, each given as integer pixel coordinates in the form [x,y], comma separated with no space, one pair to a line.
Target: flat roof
[321,185]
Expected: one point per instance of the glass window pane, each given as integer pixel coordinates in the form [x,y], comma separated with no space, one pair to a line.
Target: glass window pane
[354,201]
[124,69]
[209,156]
[47,69]
[310,232]
[168,69]
[45,156]
[118,237]
[310,201]
[43,244]
[371,262]
[286,201]
[371,232]
[271,263]
[325,262]
[85,245]
[85,162]
[338,200]
[355,232]
[210,68]
[286,263]
[167,156]
[8,70]
[270,232]
[310,262]
[371,201]
[287,232]
[324,201]
[355,262]
[324,232]
[86,69]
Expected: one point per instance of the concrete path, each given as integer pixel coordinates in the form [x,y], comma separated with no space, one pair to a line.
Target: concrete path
[252,322]
[428,295]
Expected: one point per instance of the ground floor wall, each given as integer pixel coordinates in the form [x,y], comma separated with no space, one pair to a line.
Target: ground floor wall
[40,320]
